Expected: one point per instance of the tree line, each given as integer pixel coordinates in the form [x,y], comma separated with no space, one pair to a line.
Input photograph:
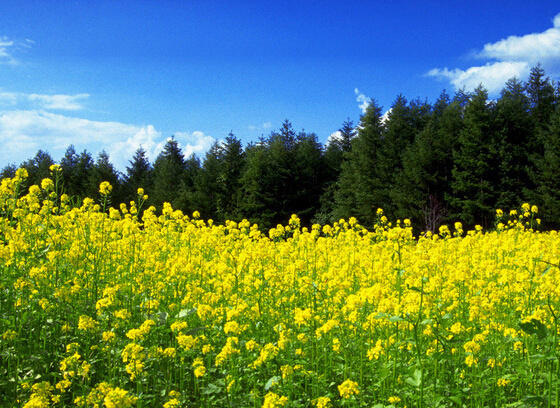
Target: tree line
[459,158]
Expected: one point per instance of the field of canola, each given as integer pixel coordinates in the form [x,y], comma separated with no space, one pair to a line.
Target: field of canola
[104,307]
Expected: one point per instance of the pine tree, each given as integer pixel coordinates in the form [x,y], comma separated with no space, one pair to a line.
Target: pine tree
[138,175]
[9,171]
[427,163]
[308,177]
[169,171]
[513,132]
[68,164]
[336,152]
[208,188]
[359,188]
[541,97]
[230,180]
[405,120]
[548,190]
[254,185]
[38,168]
[103,170]
[475,163]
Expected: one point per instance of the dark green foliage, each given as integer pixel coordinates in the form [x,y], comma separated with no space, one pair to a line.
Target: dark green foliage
[360,189]
[282,176]
[427,163]
[336,152]
[456,160]
[548,191]
[475,162]
[138,175]
[514,127]
[103,170]
[169,169]
[38,167]
[75,173]
[8,171]
[233,163]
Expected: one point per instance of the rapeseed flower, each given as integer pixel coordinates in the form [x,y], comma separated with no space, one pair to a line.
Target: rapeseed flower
[348,388]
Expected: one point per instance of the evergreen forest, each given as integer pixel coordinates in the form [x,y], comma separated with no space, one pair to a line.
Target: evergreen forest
[460,158]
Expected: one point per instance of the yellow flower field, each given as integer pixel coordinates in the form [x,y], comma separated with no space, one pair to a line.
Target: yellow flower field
[119,307]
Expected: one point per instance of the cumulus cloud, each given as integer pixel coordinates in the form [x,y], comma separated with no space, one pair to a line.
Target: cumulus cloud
[362,100]
[492,75]
[194,143]
[334,137]
[24,132]
[532,48]
[509,57]
[146,137]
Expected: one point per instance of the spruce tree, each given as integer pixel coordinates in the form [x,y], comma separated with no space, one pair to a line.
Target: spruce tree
[548,188]
[254,184]
[475,163]
[139,174]
[513,132]
[38,168]
[360,189]
[103,170]
[336,152]
[233,157]
[424,182]
[169,170]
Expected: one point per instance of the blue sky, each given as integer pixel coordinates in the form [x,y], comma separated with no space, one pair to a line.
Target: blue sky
[115,75]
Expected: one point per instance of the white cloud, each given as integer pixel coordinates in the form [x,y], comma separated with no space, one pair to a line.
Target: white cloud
[9,47]
[385,116]
[147,137]
[336,136]
[5,51]
[264,126]
[42,101]
[362,99]
[509,57]
[531,48]
[23,132]
[492,75]
[60,102]
[194,143]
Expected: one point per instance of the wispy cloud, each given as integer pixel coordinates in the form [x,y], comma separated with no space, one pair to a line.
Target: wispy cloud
[363,100]
[60,102]
[509,57]
[42,101]
[8,49]
[264,126]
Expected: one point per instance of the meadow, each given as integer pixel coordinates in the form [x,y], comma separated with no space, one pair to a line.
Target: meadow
[104,306]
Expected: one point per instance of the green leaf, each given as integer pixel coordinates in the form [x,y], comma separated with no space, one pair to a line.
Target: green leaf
[535,326]
[272,382]
[195,330]
[186,312]
[416,379]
